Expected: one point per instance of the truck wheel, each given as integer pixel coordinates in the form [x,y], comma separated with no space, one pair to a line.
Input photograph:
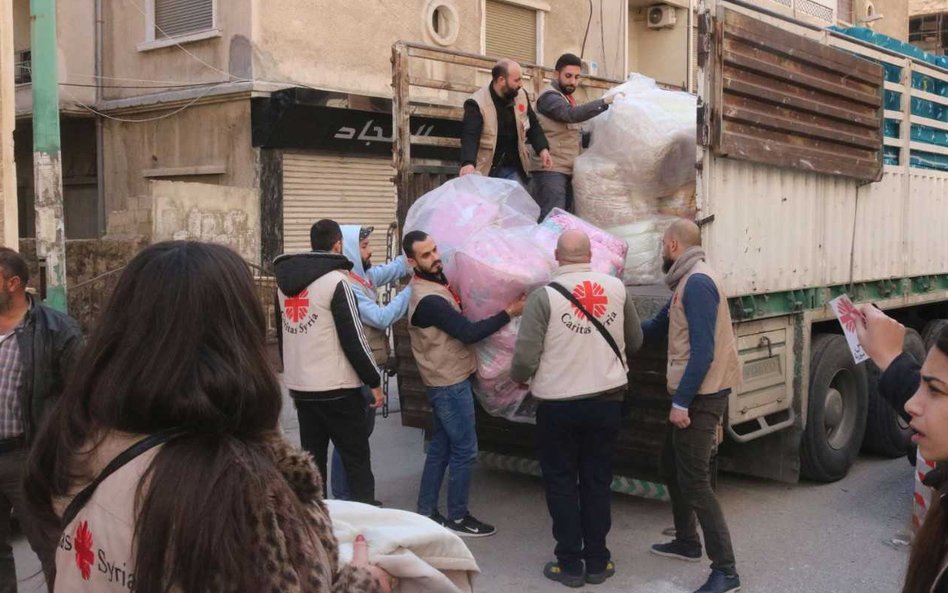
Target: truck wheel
[836,410]
[931,332]
[886,433]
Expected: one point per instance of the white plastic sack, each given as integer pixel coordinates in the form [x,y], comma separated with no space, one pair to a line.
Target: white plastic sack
[639,170]
[462,206]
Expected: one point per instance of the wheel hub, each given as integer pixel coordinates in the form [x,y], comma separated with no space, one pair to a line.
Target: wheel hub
[833,410]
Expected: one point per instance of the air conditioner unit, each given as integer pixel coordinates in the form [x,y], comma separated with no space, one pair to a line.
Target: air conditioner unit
[661,16]
[590,68]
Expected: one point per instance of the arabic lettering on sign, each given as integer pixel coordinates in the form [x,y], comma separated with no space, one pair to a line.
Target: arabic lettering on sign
[377,133]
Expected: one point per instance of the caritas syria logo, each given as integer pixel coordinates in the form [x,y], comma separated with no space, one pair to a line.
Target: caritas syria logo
[83,544]
[297,306]
[592,296]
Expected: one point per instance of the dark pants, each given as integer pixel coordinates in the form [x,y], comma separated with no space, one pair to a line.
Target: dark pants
[340,481]
[576,440]
[551,190]
[43,539]
[686,467]
[510,172]
[339,418]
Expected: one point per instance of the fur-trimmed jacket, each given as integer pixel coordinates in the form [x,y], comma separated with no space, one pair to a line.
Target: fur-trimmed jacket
[95,552]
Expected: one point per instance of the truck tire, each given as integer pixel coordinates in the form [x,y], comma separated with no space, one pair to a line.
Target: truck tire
[931,332]
[836,410]
[886,433]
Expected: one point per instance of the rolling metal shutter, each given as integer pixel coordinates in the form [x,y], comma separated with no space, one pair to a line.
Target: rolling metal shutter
[511,31]
[347,189]
[180,17]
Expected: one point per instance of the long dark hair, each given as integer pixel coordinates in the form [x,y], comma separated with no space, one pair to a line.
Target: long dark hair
[181,345]
[930,545]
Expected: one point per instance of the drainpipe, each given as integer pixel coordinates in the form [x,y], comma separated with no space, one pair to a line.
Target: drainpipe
[99,127]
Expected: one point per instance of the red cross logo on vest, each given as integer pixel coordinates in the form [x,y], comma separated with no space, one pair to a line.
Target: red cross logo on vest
[296,307]
[591,296]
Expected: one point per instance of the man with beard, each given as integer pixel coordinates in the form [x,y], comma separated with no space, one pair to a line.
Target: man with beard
[441,339]
[366,280]
[561,117]
[702,370]
[37,346]
[498,123]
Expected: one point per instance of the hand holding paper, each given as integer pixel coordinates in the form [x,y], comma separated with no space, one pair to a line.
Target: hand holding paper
[850,318]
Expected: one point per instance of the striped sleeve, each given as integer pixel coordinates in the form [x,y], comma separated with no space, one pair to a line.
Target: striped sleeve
[345,313]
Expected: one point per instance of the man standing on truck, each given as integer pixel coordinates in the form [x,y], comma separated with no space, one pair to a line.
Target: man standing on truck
[498,123]
[569,344]
[703,368]
[560,118]
[441,339]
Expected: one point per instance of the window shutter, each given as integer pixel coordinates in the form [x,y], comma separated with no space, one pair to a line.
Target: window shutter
[511,32]
[174,18]
[844,11]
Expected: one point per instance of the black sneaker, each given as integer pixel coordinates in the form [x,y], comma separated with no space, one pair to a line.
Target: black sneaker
[598,578]
[719,582]
[438,518]
[470,527]
[679,550]
[555,572]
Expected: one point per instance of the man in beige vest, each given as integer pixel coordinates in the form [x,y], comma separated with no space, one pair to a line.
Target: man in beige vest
[580,377]
[441,340]
[703,369]
[561,119]
[498,123]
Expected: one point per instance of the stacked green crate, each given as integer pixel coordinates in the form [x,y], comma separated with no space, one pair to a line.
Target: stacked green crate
[920,107]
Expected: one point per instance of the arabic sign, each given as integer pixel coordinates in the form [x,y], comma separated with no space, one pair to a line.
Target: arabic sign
[343,130]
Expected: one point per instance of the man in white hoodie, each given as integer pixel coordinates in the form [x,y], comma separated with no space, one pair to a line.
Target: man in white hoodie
[366,280]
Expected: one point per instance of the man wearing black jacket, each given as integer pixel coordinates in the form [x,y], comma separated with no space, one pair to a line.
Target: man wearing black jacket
[441,340]
[326,357]
[498,123]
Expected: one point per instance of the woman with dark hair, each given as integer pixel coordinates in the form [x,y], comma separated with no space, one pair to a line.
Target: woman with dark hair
[882,338]
[163,463]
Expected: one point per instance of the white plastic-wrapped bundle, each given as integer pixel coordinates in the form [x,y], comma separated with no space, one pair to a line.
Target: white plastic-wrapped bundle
[498,253]
[462,206]
[639,170]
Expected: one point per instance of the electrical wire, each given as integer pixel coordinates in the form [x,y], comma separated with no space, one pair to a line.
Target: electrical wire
[120,86]
[582,52]
[145,119]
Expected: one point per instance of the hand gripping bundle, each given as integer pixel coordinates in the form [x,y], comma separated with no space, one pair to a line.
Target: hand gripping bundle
[494,251]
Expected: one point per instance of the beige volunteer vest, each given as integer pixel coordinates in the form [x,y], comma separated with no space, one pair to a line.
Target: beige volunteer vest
[565,141]
[725,371]
[376,337]
[488,142]
[313,358]
[577,361]
[442,360]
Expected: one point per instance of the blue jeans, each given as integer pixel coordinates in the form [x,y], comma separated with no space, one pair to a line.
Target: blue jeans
[453,445]
[338,479]
[509,172]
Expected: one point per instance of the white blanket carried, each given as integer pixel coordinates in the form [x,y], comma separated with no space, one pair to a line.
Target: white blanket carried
[425,557]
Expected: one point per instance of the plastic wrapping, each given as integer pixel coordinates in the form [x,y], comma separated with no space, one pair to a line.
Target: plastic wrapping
[494,251]
[462,206]
[639,172]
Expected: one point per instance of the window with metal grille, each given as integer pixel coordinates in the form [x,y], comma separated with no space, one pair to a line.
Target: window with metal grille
[930,32]
[511,31]
[23,73]
[845,11]
[174,18]
[816,9]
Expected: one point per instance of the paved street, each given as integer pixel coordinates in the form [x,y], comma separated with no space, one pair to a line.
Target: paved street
[789,539]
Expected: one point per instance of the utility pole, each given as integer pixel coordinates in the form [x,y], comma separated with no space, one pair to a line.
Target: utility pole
[47,162]
[8,205]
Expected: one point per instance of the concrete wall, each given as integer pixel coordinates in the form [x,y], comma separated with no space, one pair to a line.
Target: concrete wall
[125,29]
[75,27]
[896,13]
[926,6]
[661,54]
[566,27]
[209,135]
[197,211]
